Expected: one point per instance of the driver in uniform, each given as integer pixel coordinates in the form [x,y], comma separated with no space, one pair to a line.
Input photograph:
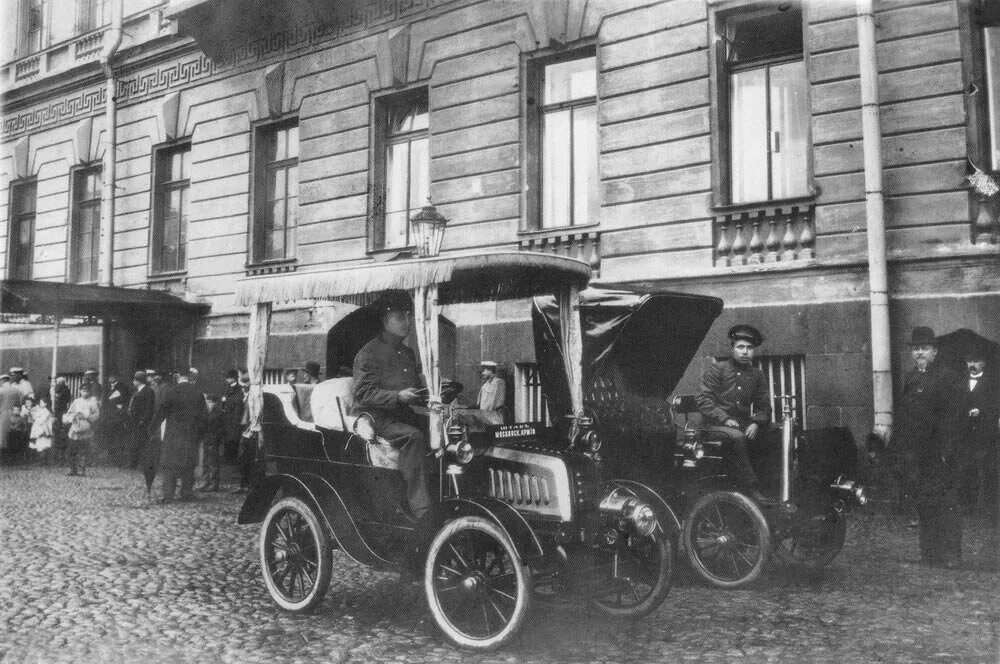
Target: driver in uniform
[734,400]
[386,384]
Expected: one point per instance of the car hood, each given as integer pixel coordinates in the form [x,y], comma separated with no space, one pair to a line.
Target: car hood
[646,339]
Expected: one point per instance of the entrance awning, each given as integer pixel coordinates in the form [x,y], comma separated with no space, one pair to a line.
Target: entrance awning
[104,302]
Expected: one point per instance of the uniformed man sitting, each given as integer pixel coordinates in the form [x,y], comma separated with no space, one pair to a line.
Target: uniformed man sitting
[386,384]
[734,400]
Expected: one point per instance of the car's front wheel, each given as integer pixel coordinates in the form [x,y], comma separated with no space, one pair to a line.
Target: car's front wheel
[295,556]
[814,543]
[727,539]
[477,587]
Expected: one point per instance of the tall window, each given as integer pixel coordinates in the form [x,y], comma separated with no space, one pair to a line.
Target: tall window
[170,208]
[85,251]
[764,81]
[276,191]
[402,166]
[32,18]
[90,15]
[529,402]
[563,186]
[22,228]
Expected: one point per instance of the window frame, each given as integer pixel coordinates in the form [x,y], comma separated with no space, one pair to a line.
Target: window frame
[258,182]
[75,204]
[155,205]
[16,217]
[380,140]
[721,134]
[91,15]
[24,45]
[532,113]
[971,26]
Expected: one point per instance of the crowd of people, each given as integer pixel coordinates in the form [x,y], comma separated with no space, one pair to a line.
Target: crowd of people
[162,424]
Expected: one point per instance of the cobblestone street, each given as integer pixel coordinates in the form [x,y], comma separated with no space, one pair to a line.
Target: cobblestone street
[90,573]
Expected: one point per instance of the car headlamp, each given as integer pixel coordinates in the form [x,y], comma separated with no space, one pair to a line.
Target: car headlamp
[643,519]
[591,441]
[631,512]
[364,427]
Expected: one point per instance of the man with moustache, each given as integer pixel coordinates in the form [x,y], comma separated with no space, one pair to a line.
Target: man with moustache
[928,430]
[981,409]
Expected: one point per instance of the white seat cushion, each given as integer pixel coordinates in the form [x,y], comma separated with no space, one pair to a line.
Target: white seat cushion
[324,404]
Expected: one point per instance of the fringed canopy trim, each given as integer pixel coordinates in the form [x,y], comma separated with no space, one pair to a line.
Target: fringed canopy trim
[461,278]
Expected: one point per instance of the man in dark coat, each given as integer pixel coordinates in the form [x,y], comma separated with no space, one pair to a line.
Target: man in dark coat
[232,414]
[980,410]
[928,428]
[386,384]
[183,409]
[140,415]
[734,400]
[59,407]
[114,412]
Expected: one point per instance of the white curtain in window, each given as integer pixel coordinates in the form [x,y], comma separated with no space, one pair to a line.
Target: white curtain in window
[586,191]
[790,130]
[557,169]
[991,46]
[396,200]
[748,135]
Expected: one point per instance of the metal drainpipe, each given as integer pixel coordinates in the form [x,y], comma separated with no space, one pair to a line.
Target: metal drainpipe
[878,277]
[107,250]
[114,40]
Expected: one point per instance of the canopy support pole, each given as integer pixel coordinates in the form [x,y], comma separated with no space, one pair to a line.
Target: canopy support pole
[100,354]
[55,364]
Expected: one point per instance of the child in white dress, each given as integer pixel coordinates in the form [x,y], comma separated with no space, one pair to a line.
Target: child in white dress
[41,429]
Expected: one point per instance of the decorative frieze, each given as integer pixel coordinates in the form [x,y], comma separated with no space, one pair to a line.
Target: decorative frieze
[584,246]
[769,235]
[135,85]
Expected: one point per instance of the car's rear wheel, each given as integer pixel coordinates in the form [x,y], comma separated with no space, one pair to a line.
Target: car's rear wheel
[477,587]
[295,556]
[727,539]
[814,543]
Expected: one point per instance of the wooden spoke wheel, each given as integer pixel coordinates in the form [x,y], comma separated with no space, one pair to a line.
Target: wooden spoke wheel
[814,543]
[727,539]
[638,573]
[295,556]
[477,588]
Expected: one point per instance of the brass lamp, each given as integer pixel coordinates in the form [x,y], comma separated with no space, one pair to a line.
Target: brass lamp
[428,230]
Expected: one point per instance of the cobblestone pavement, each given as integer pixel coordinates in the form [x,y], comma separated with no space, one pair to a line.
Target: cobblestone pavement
[90,573]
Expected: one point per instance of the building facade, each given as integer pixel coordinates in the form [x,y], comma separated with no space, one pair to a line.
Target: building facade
[700,146]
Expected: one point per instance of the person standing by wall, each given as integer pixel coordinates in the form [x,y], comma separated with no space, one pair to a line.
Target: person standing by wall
[981,409]
[10,403]
[493,392]
[212,441]
[81,417]
[140,416]
[928,429]
[59,407]
[232,415]
[183,410]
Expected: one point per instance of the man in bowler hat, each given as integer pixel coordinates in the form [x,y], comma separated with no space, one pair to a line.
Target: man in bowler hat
[928,430]
[735,401]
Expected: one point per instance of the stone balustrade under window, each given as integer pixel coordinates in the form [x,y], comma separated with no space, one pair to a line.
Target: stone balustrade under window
[765,235]
[582,245]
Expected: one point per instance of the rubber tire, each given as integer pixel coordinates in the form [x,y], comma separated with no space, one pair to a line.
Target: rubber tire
[837,536]
[666,548]
[761,528]
[522,576]
[321,542]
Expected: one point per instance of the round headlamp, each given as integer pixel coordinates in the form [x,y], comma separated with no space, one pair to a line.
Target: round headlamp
[860,495]
[592,441]
[643,519]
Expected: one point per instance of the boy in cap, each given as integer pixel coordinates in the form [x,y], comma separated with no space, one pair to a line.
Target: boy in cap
[735,400]
[928,427]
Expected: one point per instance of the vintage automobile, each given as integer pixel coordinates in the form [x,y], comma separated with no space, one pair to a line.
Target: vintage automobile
[522,512]
[636,348]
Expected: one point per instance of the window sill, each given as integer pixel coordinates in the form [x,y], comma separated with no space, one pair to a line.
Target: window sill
[559,231]
[385,255]
[159,277]
[272,267]
[771,206]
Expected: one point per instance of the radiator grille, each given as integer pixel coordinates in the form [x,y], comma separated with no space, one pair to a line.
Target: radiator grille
[519,488]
